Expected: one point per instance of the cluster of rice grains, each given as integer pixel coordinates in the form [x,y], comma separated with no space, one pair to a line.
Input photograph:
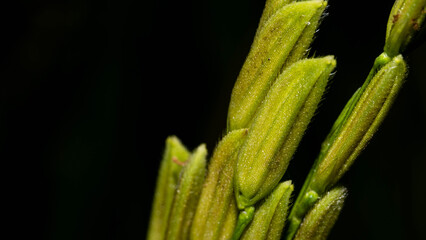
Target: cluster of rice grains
[239,194]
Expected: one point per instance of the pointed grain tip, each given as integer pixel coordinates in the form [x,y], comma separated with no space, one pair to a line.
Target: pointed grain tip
[330,60]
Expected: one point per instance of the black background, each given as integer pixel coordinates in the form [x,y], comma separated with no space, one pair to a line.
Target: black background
[91,89]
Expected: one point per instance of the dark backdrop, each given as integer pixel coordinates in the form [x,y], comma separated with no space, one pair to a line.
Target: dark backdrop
[91,89]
